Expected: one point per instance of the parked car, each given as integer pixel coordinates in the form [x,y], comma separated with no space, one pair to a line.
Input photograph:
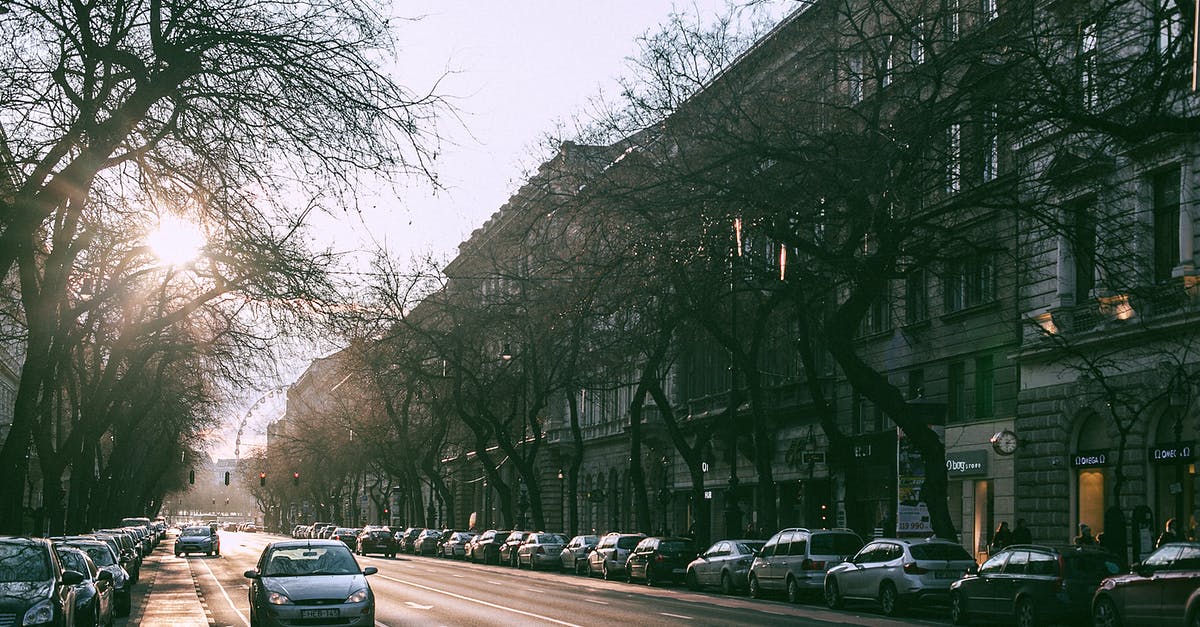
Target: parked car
[376,540]
[573,557]
[35,588]
[346,535]
[609,557]
[426,543]
[285,591]
[486,547]
[456,544]
[541,549]
[93,595]
[508,550]
[408,538]
[105,558]
[896,572]
[724,565]
[198,539]
[1158,587]
[1035,584]
[795,560]
[660,558]
[130,560]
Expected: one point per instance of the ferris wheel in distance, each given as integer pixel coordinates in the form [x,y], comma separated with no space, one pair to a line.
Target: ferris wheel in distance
[268,408]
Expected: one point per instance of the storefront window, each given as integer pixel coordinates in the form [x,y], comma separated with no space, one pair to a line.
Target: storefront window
[1091,498]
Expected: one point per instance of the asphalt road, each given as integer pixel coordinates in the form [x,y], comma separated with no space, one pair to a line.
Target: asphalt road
[413,590]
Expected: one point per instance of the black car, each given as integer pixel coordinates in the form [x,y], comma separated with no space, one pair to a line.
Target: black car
[376,540]
[35,588]
[658,559]
[104,558]
[486,547]
[93,595]
[1158,587]
[1035,584]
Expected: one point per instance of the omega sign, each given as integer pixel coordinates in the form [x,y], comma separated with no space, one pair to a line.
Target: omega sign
[1089,459]
[1181,452]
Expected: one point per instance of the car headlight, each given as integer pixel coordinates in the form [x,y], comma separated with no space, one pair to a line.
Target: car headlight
[277,599]
[39,614]
[358,596]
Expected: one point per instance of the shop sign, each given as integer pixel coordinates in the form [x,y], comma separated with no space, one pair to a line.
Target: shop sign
[814,457]
[967,463]
[1089,459]
[1181,452]
[862,450]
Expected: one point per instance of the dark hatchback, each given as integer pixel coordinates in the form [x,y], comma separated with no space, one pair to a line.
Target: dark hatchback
[1034,584]
[1157,588]
[659,559]
[34,587]
[377,541]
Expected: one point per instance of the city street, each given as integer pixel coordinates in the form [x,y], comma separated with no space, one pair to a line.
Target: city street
[430,591]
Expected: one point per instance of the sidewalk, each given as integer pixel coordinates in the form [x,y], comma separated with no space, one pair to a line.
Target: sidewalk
[171,599]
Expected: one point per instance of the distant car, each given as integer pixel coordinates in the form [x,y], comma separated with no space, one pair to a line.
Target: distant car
[408,539]
[658,559]
[541,549]
[426,543]
[573,557]
[1158,587]
[609,557]
[94,595]
[346,535]
[250,528]
[310,582]
[456,544]
[895,572]
[105,558]
[795,560]
[376,541]
[724,565]
[35,588]
[1034,584]
[198,540]
[486,547]
[508,550]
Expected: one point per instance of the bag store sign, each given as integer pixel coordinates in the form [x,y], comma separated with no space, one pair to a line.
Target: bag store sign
[967,463]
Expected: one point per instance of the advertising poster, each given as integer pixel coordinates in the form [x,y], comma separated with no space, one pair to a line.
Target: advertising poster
[912,514]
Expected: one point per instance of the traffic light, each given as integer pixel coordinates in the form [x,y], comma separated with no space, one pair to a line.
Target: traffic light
[226,477]
[262,478]
[295,478]
[191,477]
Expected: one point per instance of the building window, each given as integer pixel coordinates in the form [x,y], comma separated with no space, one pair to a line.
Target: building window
[950,15]
[968,282]
[855,79]
[1088,65]
[888,61]
[1169,27]
[984,385]
[916,383]
[916,296]
[1082,223]
[877,414]
[1166,223]
[956,398]
[954,158]
[991,146]
[916,48]
[878,317]
[989,10]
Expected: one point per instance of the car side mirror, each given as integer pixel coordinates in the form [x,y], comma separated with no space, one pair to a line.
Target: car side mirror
[72,577]
[105,576]
[1143,570]
[251,574]
[972,570]
[370,570]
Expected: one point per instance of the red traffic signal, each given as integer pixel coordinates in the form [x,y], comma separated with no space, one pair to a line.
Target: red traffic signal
[295,478]
[262,478]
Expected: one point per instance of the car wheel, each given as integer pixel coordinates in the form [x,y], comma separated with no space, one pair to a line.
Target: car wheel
[958,609]
[755,590]
[650,576]
[888,599]
[582,568]
[727,583]
[833,594]
[1104,613]
[793,590]
[1027,613]
[692,582]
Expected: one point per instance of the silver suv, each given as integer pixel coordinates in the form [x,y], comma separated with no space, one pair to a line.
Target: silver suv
[896,571]
[611,553]
[795,560]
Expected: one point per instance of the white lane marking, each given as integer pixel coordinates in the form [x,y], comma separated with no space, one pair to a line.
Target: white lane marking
[481,602]
[596,602]
[418,606]
[459,576]
[676,616]
[536,590]
[494,583]
[228,600]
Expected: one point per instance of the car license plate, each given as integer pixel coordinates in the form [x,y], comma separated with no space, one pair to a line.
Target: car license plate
[676,571]
[947,574]
[330,613]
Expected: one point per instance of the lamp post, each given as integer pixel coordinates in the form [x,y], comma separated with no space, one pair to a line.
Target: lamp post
[733,513]
[562,501]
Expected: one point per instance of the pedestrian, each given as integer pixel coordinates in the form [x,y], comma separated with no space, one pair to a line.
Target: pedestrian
[1021,534]
[1085,536]
[751,533]
[1002,538]
[1169,534]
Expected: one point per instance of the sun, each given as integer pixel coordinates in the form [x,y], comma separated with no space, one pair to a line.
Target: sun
[175,242]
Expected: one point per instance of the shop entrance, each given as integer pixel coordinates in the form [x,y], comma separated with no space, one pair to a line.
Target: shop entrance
[1173,470]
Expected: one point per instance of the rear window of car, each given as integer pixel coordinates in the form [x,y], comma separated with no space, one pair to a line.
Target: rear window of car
[939,552]
[749,547]
[380,535]
[23,562]
[628,542]
[1091,566]
[835,544]
[676,546]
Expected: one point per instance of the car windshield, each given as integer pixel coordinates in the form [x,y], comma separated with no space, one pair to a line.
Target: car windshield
[73,561]
[552,538]
[746,548]
[628,542]
[196,531]
[939,552]
[23,562]
[380,535]
[834,544]
[310,560]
